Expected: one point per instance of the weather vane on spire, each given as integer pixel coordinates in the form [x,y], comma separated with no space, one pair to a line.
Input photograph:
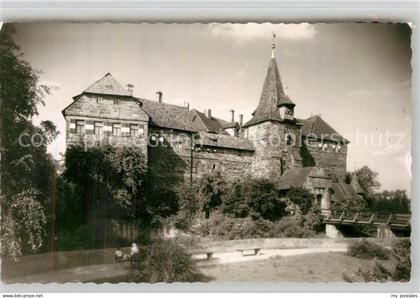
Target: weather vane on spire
[273,45]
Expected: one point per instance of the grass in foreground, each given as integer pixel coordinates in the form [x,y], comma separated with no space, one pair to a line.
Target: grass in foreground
[315,267]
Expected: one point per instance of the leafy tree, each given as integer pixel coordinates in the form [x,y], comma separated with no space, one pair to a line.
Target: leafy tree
[27,170]
[212,188]
[188,205]
[233,202]
[301,197]
[106,182]
[368,179]
[262,198]
[390,202]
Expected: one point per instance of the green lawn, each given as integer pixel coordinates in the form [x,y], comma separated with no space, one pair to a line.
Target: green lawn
[316,267]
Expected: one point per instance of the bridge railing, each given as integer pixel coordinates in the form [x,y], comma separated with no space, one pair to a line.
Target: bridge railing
[396,220]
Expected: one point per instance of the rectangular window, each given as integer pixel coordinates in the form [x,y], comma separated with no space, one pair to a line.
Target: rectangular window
[116,101]
[80,126]
[98,128]
[134,130]
[141,131]
[99,99]
[116,129]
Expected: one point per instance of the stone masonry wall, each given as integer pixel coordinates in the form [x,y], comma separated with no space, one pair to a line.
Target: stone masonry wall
[169,154]
[272,156]
[170,157]
[333,160]
[232,163]
[89,110]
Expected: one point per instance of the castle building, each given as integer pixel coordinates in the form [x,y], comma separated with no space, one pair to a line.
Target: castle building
[183,144]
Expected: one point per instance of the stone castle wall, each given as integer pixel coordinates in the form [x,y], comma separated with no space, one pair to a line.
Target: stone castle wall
[169,151]
[170,157]
[272,156]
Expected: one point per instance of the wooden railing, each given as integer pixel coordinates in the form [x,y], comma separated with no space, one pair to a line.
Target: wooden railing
[396,221]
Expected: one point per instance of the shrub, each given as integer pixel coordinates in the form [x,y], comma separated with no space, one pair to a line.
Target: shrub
[312,220]
[401,271]
[290,227]
[247,228]
[401,251]
[165,261]
[301,197]
[367,250]
[223,227]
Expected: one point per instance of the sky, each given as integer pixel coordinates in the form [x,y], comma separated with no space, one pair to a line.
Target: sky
[356,76]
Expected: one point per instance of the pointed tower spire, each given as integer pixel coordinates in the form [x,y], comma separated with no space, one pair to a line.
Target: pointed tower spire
[272,96]
[273,46]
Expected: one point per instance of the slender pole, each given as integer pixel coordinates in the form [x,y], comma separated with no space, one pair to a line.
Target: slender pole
[53,211]
[192,158]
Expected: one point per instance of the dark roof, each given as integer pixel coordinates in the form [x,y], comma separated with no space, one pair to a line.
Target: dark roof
[109,86]
[211,124]
[294,178]
[169,115]
[224,141]
[272,97]
[317,127]
[343,191]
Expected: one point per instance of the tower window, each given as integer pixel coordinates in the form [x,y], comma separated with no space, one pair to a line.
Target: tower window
[289,139]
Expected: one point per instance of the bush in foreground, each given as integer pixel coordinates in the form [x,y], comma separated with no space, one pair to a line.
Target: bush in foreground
[367,250]
[165,261]
[289,227]
[397,269]
[223,227]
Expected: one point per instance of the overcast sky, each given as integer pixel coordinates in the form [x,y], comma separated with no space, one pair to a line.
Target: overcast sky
[357,76]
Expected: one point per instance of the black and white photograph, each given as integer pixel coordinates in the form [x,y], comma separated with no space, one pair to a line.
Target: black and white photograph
[205,152]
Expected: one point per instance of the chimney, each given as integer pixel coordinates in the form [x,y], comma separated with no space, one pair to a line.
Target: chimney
[160,94]
[241,120]
[233,115]
[209,113]
[130,88]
